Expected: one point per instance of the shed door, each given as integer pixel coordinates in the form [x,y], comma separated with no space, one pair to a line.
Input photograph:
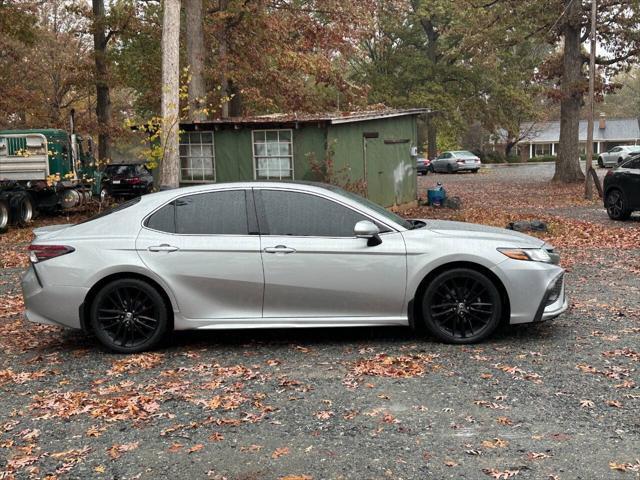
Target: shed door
[384,170]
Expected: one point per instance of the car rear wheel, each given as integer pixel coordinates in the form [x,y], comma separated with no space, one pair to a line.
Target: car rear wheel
[617,205]
[4,216]
[129,316]
[600,162]
[461,306]
[620,160]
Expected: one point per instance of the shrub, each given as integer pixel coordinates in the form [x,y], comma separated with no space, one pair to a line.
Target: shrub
[543,158]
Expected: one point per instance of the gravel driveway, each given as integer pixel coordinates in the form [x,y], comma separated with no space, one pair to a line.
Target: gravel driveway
[558,400]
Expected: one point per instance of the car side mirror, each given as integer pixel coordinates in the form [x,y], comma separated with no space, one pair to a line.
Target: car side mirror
[369,230]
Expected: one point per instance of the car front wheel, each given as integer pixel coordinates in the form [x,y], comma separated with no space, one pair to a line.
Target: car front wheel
[617,205]
[129,316]
[461,306]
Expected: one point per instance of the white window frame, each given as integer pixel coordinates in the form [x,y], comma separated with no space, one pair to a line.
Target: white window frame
[256,157]
[188,144]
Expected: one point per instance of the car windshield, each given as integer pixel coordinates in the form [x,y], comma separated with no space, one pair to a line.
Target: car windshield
[373,206]
[463,153]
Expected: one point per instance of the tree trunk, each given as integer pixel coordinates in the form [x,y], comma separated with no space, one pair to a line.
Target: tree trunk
[169,175]
[223,50]
[195,56]
[568,160]
[103,97]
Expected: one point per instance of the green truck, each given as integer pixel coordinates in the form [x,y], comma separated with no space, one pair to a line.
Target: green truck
[43,170]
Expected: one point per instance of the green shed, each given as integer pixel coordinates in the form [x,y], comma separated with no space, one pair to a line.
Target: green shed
[373,151]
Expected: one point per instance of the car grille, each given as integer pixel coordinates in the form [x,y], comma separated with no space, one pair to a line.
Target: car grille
[556,291]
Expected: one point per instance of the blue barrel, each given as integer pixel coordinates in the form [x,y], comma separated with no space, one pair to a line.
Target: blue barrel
[436,196]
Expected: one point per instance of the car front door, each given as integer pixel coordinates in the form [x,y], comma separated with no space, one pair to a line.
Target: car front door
[315,268]
[205,246]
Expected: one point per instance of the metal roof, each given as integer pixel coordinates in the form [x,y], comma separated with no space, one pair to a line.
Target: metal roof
[616,130]
[332,118]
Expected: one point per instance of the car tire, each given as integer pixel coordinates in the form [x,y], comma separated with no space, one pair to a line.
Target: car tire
[461,306]
[620,160]
[600,162]
[431,169]
[476,170]
[116,316]
[616,205]
[104,194]
[4,216]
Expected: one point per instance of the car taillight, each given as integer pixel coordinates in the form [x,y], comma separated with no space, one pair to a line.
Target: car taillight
[134,180]
[40,253]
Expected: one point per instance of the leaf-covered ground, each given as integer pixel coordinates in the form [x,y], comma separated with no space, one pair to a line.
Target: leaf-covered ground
[558,400]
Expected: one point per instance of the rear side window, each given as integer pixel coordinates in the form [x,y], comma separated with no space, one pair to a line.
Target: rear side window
[214,213]
[303,215]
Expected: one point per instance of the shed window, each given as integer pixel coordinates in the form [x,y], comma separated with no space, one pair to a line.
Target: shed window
[197,157]
[273,154]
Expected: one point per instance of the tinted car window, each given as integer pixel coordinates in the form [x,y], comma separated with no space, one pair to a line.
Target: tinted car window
[215,213]
[164,219]
[304,215]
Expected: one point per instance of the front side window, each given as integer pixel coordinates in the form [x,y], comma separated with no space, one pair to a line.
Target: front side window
[273,154]
[197,157]
[213,213]
[304,215]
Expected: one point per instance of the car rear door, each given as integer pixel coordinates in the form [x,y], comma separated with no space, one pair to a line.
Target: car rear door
[316,268]
[206,248]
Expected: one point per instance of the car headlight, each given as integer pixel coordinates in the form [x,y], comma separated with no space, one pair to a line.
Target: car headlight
[527,254]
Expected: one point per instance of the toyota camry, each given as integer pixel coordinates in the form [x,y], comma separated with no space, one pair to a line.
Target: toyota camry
[282,255]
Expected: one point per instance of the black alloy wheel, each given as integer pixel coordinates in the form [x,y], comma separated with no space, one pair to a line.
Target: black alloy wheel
[616,205]
[461,306]
[129,316]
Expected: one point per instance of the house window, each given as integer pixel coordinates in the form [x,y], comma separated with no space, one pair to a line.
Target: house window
[197,157]
[273,154]
[542,149]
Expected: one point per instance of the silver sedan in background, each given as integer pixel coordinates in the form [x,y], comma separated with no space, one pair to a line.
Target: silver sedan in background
[282,255]
[456,161]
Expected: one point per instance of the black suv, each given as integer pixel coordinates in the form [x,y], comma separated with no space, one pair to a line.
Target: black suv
[126,180]
[622,189]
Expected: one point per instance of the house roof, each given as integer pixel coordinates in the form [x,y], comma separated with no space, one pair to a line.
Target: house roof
[332,118]
[616,130]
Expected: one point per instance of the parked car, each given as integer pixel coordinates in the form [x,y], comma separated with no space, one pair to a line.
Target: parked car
[126,180]
[617,155]
[277,255]
[423,166]
[456,161]
[622,189]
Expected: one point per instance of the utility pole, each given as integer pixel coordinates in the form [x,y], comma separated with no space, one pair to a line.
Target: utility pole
[588,185]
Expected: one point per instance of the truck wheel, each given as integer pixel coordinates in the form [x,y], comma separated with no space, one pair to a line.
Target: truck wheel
[22,210]
[4,216]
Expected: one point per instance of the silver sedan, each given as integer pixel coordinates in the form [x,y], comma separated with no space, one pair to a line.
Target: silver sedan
[282,255]
[456,161]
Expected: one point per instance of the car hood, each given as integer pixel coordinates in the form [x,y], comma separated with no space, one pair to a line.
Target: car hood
[483,232]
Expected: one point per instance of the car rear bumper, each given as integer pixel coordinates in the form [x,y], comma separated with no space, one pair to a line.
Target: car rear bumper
[466,166]
[52,305]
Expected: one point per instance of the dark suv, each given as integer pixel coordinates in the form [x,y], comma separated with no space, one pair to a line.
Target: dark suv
[622,189]
[126,180]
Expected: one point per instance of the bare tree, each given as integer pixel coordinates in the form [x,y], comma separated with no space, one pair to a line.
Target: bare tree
[195,56]
[170,166]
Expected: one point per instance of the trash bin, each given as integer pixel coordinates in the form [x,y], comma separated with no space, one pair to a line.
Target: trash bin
[436,196]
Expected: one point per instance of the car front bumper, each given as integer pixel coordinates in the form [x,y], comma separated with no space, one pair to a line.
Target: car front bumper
[49,304]
[529,286]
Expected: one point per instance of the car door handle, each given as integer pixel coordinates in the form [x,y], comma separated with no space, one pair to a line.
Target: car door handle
[279,249]
[162,248]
